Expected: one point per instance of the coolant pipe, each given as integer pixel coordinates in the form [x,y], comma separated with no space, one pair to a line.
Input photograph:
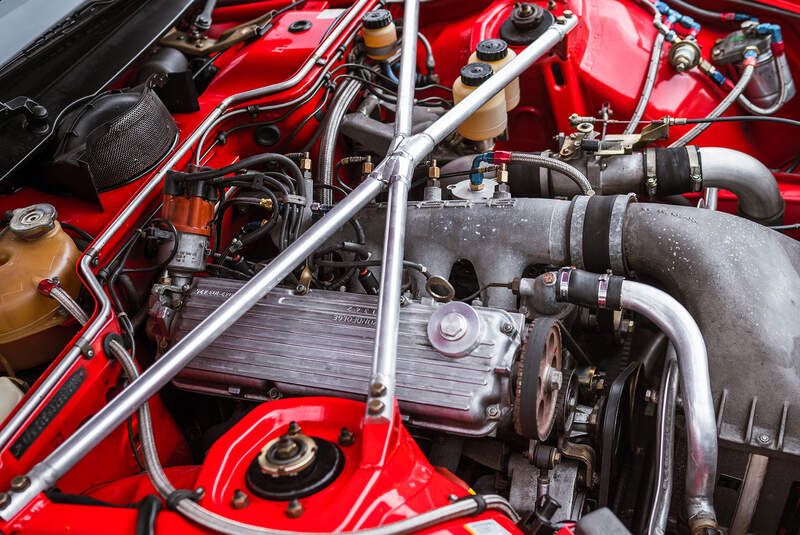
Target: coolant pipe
[613,292]
[403,160]
[751,181]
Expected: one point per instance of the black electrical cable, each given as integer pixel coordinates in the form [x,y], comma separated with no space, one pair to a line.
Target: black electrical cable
[80,232]
[132,443]
[337,189]
[744,118]
[162,264]
[372,263]
[484,288]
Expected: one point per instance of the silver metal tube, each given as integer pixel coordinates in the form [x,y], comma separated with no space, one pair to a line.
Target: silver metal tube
[684,334]
[710,197]
[667,396]
[408,72]
[36,397]
[754,476]
[649,83]
[753,183]
[499,80]
[380,398]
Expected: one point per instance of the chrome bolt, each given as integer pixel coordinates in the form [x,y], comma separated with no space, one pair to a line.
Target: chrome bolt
[377,389]
[568,13]
[5,499]
[20,483]
[561,20]
[764,438]
[453,326]
[452,498]
[375,406]
[507,328]
[493,411]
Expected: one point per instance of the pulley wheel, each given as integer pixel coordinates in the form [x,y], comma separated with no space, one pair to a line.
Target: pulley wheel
[539,379]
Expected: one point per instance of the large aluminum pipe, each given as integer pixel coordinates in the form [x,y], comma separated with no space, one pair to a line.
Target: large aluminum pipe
[400,164]
[685,336]
[751,181]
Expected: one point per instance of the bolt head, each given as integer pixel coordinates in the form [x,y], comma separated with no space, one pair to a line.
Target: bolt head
[549,278]
[346,438]
[764,438]
[375,406]
[377,389]
[239,500]
[20,483]
[507,328]
[453,326]
[568,13]
[294,509]
[294,429]
[5,499]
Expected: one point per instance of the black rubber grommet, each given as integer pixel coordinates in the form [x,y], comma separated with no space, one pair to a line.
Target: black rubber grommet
[300,26]
[182,494]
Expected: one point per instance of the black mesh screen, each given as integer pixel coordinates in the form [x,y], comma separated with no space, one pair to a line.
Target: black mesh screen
[121,150]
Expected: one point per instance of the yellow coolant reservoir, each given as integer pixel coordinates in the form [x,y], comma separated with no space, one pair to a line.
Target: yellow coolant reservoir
[490,120]
[380,34]
[34,247]
[495,53]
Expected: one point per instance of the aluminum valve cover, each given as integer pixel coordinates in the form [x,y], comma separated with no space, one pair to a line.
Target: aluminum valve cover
[321,344]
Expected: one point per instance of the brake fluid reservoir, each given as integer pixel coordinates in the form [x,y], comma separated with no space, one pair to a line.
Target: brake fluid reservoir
[490,120]
[34,247]
[495,53]
[380,34]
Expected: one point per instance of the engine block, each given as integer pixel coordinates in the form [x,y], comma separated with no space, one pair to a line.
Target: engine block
[321,344]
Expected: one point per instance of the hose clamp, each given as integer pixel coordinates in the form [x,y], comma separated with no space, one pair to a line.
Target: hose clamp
[602,290]
[563,284]
[651,182]
[695,171]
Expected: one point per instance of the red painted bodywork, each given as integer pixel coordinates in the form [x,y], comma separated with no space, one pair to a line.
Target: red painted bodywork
[606,58]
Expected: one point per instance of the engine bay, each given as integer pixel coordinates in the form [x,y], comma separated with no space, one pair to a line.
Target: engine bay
[474,267]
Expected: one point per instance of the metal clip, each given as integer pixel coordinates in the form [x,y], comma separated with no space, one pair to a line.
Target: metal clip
[651,182]
[695,171]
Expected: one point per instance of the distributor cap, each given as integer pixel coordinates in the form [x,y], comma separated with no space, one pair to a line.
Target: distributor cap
[491,50]
[376,19]
[475,74]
